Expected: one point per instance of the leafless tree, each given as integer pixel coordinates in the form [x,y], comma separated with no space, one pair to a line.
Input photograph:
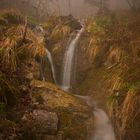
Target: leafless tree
[134,4]
[69,2]
[101,4]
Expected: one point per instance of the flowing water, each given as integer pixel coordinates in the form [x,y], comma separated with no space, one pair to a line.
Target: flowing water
[68,61]
[49,56]
[103,127]
[39,29]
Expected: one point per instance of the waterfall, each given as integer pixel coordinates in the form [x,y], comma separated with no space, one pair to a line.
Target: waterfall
[103,127]
[68,61]
[49,56]
[40,30]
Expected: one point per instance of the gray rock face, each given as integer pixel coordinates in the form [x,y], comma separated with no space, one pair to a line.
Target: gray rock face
[59,136]
[42,122]
[75,117]
[45,122]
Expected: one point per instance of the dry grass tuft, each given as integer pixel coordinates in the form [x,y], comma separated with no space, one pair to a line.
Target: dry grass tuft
[129,111]
[8,49]
[11,16]
[6,86]
[13,51]
[60,32]
[15,54]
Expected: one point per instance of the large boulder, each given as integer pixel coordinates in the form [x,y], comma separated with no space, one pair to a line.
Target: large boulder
[74,115]
[43,122]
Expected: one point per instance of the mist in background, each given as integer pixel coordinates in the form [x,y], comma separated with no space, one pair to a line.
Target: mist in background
[77,8]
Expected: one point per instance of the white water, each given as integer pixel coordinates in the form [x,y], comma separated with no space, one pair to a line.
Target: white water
[49,56]
[68,61]
[103,127]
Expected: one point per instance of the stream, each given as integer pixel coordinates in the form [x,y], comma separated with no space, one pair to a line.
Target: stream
[103,127]
[68,62]
[49,56]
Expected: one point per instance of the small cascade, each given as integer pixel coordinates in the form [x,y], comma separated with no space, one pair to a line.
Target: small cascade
[49,56]
[41,31]
[103,127]
[68,61]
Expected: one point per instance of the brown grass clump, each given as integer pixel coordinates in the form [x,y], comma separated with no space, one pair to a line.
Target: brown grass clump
[129,112]
[7,87]
[16,53]
[125,116]
[9,53]
[93,48]
[119,30]
[60,32]
[11,16]
[114,55]
[13,51]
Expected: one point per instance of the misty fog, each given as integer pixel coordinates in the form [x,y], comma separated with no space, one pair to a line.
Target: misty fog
[77,8]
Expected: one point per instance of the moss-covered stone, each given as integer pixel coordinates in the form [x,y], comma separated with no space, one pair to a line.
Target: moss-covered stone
[75,117]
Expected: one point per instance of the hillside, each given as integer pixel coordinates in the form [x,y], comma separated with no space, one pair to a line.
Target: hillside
[69,79]
[29,107]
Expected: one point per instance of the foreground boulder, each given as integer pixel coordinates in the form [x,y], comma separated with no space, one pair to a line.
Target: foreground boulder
[42,121]
[58,115]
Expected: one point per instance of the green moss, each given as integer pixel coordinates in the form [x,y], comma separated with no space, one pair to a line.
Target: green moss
[48,26]
[131,86]
[113,99]
[2,108]
[92,79]
[32,21]
[5,125]
[73,126]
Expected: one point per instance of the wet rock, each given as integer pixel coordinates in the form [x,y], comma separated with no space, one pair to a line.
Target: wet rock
[42,121]
[59,136]
[75,116]
[46,122]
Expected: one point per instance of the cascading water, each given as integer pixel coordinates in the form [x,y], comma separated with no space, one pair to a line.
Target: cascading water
[49,56]
[68,61]
[103,127]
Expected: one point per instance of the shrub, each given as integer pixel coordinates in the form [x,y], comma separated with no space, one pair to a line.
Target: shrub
[11,17]
[32,21]
[60,32]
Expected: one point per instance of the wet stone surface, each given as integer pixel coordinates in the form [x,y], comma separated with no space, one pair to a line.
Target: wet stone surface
[42,121]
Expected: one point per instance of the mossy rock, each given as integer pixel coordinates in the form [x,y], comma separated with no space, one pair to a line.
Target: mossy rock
[75,117]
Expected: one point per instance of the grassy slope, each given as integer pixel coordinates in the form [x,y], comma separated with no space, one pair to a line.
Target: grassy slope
[17,65]
[115,41]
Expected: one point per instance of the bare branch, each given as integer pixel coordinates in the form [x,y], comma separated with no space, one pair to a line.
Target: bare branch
[25,30]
